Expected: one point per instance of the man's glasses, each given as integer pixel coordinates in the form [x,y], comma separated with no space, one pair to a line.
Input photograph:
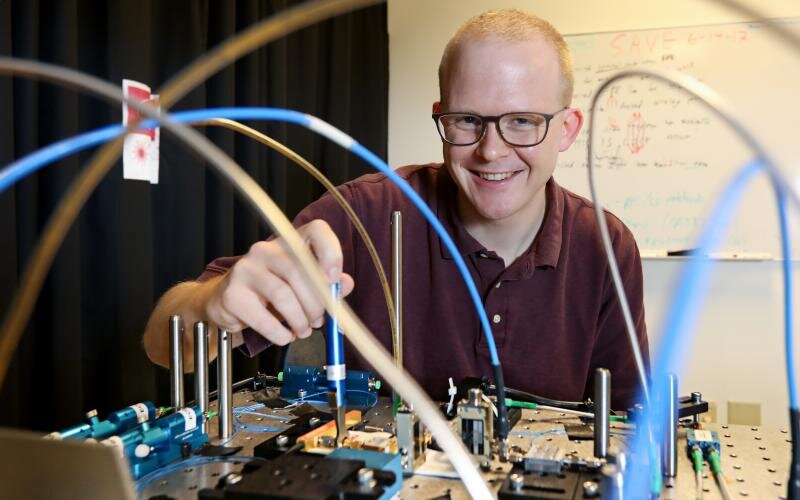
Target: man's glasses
[516,129]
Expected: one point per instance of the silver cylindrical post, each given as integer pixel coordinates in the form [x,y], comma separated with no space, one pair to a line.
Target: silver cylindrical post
[201,369]
[176,362]
[224,385]
[602,408]
[397,283]
[671,428]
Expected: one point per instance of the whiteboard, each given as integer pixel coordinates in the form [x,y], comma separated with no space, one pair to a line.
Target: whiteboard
[661,158]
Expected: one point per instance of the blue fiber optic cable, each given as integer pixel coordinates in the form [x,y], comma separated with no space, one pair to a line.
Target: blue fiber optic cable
[264,415]
[28,165]
[793,488]
[788,298]
[33,162]
[350,144]
[692,283]
[687,301]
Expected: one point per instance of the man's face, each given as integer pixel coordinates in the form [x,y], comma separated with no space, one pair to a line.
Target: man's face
[490,78]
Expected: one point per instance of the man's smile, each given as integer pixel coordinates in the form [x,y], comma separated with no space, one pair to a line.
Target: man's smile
[495,176]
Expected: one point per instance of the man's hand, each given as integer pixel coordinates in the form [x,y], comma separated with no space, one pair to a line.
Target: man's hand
[266,287]
[262,290]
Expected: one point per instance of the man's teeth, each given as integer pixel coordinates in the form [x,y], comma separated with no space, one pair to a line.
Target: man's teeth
[500,176]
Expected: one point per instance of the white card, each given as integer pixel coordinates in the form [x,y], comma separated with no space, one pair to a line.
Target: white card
[140,154]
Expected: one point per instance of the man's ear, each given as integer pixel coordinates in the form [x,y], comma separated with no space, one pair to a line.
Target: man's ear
[437,107]
[570,128]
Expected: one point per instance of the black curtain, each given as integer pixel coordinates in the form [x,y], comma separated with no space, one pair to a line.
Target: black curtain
[82,348]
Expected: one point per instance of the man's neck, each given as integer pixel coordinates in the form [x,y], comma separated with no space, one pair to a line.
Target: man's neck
[509,237]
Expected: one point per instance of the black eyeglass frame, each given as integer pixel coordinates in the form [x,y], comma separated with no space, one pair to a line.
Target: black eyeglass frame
[496,119]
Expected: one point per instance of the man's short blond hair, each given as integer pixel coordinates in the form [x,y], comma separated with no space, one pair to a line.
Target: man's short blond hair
[511,25]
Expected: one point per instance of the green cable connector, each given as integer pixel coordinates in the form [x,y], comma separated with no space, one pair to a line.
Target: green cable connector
[212,414]
[163,409]
[533,406]
[697,458]
[521,404]
[713,459]
[377,385]
[280,376]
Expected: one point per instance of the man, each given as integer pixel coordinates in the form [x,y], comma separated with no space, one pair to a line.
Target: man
[532,246]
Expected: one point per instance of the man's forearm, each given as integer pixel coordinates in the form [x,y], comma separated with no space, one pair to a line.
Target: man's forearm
[187,300]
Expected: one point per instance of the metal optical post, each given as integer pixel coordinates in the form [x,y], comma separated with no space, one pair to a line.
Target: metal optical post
[176,362]
[201,370]
[224,385]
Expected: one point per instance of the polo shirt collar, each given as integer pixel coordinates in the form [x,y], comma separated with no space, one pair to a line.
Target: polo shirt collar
[546,247]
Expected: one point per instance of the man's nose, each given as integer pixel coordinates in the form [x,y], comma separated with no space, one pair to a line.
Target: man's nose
[492,146]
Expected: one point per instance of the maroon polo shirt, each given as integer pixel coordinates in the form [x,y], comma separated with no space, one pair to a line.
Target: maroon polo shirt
[554,312]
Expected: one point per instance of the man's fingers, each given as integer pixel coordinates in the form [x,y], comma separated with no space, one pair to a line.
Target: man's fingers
[348,284]
[268,276]
[253,312]
[282,299]
[305,334]
[326,247]
[347,287]
[296,279]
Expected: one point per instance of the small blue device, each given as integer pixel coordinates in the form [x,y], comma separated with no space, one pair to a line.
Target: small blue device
[116,423]
[155,444]
[705,440]
[362,387]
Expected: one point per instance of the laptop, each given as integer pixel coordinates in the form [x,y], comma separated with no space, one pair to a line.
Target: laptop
[35,468]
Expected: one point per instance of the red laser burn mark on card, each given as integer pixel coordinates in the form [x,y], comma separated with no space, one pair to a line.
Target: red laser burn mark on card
[141,152]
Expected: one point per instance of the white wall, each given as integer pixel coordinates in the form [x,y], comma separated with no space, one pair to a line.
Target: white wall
[738,352]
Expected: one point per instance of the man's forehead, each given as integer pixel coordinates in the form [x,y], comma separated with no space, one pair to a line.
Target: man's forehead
[502,64]
[491,50]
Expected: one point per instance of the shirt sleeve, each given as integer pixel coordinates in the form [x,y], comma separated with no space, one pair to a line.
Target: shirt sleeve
[612,347]
[325,208]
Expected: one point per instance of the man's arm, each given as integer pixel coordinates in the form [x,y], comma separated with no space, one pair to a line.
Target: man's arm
[187,300]
[264,290]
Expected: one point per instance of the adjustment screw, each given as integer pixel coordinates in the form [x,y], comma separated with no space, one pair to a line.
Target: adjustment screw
[590,489]
[366,477]
[516,481]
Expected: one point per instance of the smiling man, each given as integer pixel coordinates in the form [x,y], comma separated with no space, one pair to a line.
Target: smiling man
[532,246]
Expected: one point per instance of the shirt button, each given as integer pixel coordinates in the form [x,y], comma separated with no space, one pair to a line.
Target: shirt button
[497,319]
[497,285]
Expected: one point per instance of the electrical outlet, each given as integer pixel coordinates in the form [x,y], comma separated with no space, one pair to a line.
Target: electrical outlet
[744,413]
